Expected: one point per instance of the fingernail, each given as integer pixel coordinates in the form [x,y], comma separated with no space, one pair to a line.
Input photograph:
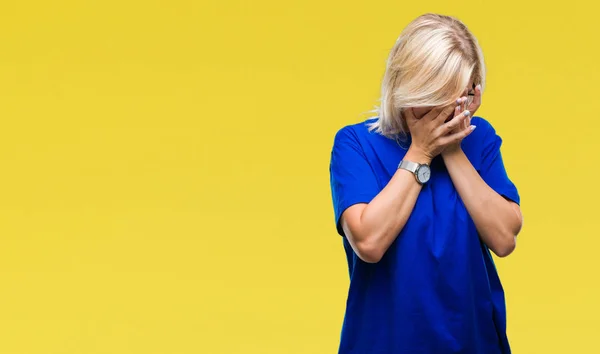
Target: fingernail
[467,113]
[473,127]
[458,101]
[478,87]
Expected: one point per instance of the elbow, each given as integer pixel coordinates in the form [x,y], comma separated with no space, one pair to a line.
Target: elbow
[507,238]
[507,247]
[369,251]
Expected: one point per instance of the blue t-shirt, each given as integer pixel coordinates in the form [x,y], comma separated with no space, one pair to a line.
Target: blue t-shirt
[436,289]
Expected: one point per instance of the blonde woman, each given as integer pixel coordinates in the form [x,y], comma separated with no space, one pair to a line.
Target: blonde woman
[421,197]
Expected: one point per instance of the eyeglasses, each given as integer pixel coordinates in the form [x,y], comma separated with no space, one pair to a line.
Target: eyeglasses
[471,95]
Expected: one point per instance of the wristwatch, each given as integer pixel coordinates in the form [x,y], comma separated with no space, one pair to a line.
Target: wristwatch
[422,172]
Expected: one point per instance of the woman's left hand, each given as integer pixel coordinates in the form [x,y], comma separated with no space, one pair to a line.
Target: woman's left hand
[476,101]
[463,104]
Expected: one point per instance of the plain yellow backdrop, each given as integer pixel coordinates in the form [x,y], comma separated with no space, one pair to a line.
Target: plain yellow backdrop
[164,184]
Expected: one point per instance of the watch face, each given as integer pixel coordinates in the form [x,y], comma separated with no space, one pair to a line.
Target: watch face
[423,174]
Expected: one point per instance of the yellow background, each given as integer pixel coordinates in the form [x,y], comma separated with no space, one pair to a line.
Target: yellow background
[164,184]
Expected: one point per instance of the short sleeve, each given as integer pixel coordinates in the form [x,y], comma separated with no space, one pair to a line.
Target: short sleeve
[351,176]
[492,167]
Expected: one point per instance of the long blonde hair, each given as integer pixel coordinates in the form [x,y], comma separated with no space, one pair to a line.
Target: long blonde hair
[431,64]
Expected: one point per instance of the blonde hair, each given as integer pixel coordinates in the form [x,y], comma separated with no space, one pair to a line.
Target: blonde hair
[431,64]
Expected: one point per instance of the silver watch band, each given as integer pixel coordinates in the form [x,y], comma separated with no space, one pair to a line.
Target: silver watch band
[409,166]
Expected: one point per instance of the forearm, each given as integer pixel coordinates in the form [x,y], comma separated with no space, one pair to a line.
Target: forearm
[495,218]
[384,217]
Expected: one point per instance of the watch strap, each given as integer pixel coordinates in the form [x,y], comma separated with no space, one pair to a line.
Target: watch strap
[409,166]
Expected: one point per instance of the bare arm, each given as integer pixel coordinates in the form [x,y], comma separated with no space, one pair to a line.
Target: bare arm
[371,228]
[498,220]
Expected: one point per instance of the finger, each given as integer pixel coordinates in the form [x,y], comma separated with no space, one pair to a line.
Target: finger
[476,99]
[463,123]
[454,114]
[445,112]
[468,114]
[468,120]
[461,108]
[458,136]
[457,111]
[433,113]
[459,103]
[455,123]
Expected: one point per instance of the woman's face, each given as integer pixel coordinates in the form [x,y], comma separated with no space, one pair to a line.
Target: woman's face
[420,112]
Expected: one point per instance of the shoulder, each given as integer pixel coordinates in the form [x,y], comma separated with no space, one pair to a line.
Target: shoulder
[354,133]
[483,125]
[355,141]
[480,140]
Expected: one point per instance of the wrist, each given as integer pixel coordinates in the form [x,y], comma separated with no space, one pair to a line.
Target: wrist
[417,155]
[451,152]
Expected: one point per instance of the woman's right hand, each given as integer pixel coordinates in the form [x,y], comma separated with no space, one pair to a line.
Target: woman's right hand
[431,134]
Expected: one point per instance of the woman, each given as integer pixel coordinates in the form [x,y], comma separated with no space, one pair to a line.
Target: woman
[420,198]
